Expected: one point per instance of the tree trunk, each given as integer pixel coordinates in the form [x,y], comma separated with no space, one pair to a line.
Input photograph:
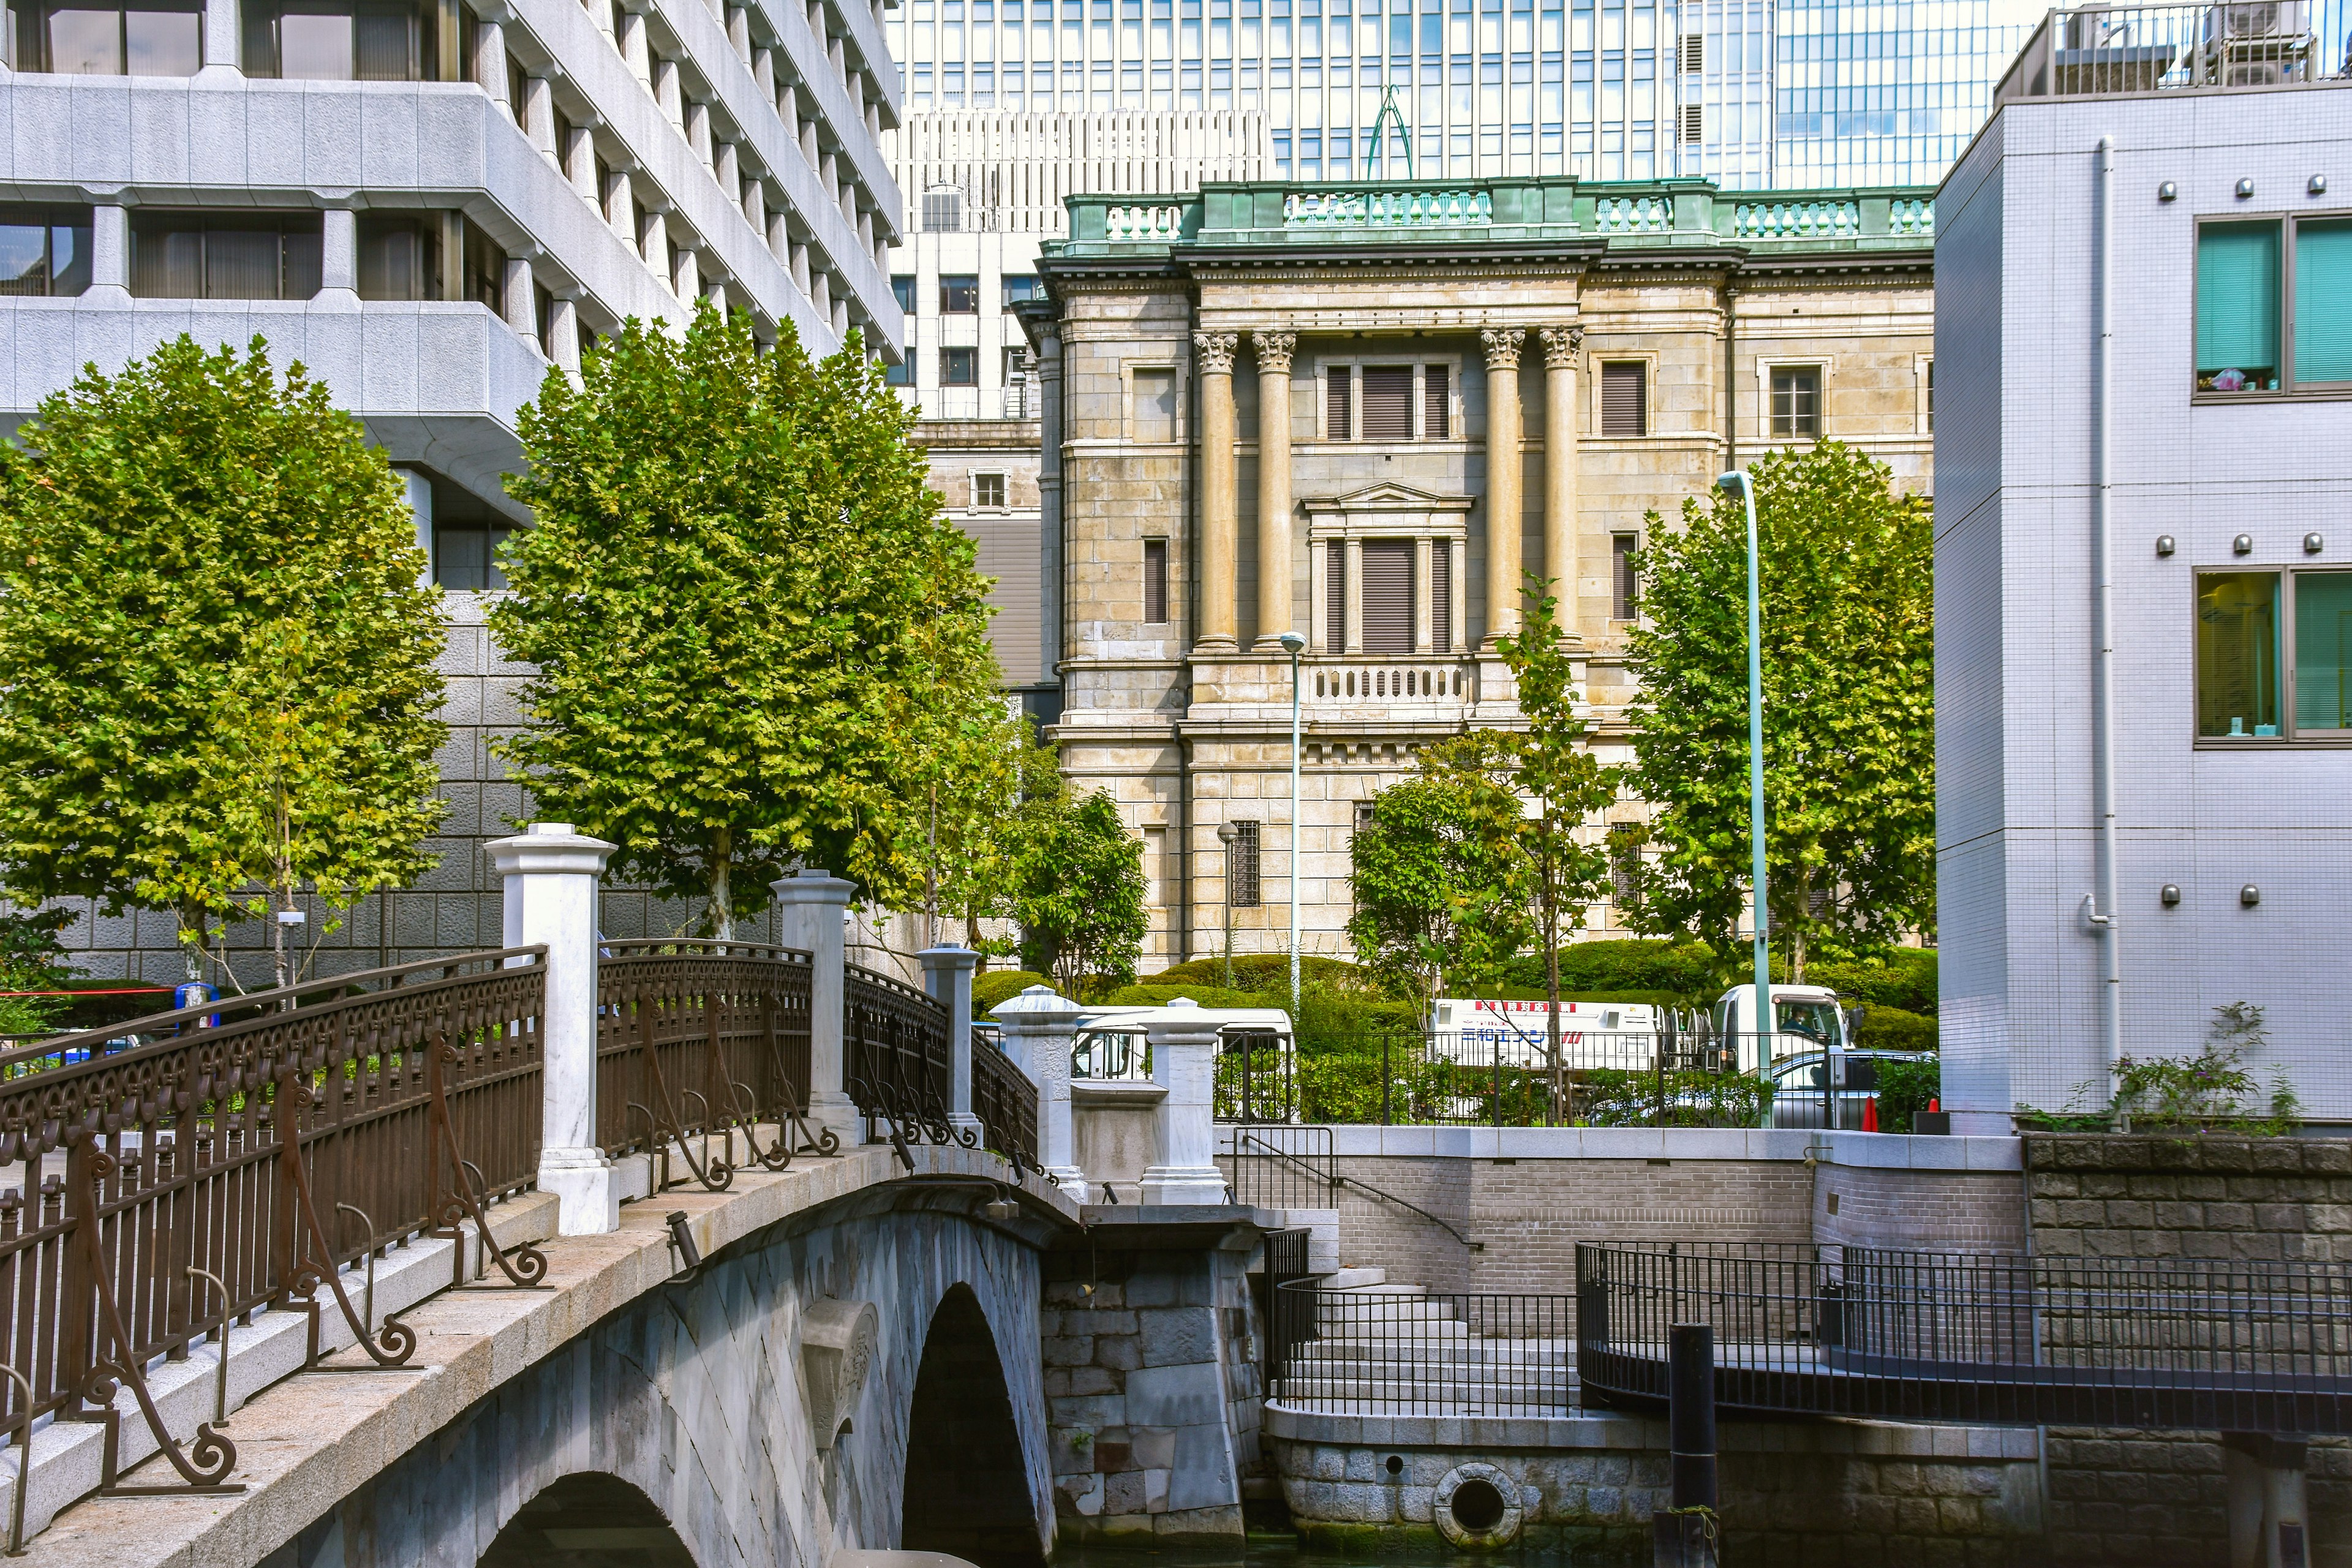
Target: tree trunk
[1552,981]
[277,939]
[971,941]
[191,923]
[722,906]
[1799,926]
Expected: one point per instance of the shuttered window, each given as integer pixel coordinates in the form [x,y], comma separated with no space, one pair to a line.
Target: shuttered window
[1623,588]
[1336,580]
[1339,419]
[1437,404]
[2323,300]
[2238,307]
[1155,582]
[1624,398]
[1441,598]
[1387,595]
[1387,402]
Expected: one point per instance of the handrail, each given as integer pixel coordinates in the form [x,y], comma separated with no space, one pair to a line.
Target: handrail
[1337,1179]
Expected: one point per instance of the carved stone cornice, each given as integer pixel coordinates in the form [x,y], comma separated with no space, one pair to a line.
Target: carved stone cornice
[1501,346]
[1273,350]
[1561,345]
[1216,352]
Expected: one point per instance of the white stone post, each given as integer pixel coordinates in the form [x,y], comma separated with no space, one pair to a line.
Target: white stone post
[947,975]
[810,908]
[551,897]
[339,255]
[1184,1063]
[110,255]
[1038,1029]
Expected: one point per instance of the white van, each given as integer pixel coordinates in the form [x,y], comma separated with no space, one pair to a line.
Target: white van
[1806,1020]
[1110,1044]
[1475,1032]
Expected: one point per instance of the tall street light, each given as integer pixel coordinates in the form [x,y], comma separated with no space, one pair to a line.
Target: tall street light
[1226,833]
[1294,645]
[1740,482]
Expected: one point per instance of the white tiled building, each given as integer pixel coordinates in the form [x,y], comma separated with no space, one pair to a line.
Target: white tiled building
[429,205]
[2226,485]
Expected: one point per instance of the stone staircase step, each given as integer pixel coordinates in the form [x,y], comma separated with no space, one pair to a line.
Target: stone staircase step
[1354,1278]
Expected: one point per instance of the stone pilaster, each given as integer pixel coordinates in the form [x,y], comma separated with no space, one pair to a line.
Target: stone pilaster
[1219,521]
[1274,589]
[1503,502]
[1563,346]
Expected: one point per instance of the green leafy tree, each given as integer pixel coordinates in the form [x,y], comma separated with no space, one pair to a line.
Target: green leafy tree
[1441,876]
[751,624]
[222,687]
[1570,788]
[1077,880]
[1849,708]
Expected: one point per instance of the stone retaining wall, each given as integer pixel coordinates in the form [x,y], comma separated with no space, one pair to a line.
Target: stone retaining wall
[1822,1493]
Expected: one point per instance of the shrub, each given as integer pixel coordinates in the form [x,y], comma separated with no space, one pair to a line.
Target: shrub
[2214,1089]
[1904,977]
[1263,972]
[1904,1091]
[1156,996]
[1886,1028]
[1001,985]
[1681,970]
[1614,1099]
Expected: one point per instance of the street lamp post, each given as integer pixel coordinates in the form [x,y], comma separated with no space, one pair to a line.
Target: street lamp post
[1746,487]
[1294,645]
[1226,833]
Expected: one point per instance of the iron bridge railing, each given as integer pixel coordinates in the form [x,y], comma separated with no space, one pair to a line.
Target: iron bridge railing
[2001,1338]
[168,1176]
[899,1066]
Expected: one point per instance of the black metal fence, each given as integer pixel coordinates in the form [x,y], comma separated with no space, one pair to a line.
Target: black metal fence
[2126,1342]
[1274,1167]
[1285,1264]
[1402,1351]
[1674,1075]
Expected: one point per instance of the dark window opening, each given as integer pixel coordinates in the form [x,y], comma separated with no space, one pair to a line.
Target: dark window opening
[44,250]
[1335,582]
[958,367]
[225,256]
[1623,592]
[1387,402]
[1441,597]
[1022,285]
[1155,582]
[400,256]
[1339,420]
[1624,398]
[988,491]
[1242,866]
[84,39]
[467,533]
[1797,401]
[1387,595]
[959,295]
[1437,404]
[902,289]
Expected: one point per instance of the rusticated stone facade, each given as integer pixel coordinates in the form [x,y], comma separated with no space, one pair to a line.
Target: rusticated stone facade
[1359,413]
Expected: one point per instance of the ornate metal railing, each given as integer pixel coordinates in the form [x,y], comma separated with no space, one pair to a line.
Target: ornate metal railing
[1006,1103]
[182,1170]
[698,1039]
[897,1058]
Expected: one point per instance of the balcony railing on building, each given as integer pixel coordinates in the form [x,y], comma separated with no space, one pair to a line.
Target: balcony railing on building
[2097,50]
[1019,400]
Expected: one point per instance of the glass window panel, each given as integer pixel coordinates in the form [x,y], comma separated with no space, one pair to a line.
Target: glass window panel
[2323,300]
[2238,307]
[86,43]
[2237,654]
[23,259]
[241,264]
[392,259]
[167,263]
[314,48]
[2322,651]
[68,258]
[304,257]
[165,43]
[385,44]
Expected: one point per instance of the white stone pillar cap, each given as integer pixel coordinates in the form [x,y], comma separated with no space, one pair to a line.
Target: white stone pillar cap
[813,885]
[1182,1027]
[950,955]
[1037,1010]
[550,847]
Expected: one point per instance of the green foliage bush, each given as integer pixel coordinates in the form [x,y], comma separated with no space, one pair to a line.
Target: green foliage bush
[1682,970]
[1904,1091]
[1001,985]
[1888,1029]
[1613,1099]
[2212,1091]
[1261,971]
[1904,978]
[1156,996]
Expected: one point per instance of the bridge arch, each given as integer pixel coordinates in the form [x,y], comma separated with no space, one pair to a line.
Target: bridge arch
[589,1516]
[965,1490]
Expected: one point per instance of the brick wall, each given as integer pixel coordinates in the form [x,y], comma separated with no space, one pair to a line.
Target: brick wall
[1956,1211]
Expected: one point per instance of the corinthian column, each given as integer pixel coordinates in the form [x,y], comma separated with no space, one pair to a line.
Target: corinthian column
[1561,346]
[1503,506]
[1274,606]
[1218,523]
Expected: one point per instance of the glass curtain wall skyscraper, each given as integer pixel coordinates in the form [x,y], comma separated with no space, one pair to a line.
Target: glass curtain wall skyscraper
[1792,93]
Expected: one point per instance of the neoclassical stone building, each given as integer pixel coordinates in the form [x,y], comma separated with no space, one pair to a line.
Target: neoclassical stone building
[1276,407]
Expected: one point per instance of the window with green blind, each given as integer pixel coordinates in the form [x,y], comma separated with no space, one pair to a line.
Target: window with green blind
[2322,651]
[2323,300]
[2238,307]
[2273,655]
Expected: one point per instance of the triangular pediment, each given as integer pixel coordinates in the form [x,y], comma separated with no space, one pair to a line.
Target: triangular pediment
[1388,495]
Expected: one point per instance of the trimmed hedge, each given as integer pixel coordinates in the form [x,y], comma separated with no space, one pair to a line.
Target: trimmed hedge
[1001,985]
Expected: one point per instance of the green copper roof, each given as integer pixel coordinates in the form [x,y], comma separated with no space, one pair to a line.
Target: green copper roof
[1631,216]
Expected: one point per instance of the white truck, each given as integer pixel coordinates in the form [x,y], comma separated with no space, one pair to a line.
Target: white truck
[1806,1021]
[1476,1032]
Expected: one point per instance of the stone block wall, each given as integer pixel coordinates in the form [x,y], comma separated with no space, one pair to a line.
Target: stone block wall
[1152,1392]
[2158,1498]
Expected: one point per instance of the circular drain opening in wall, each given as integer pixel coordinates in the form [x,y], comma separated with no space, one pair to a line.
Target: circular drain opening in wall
[1477,1505]
[1396,1464]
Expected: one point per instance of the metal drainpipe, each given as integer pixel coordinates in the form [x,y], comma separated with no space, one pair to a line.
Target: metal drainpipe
[1731,383]
[2099,906]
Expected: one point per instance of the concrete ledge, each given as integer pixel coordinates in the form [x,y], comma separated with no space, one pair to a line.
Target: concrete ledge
[1899,1150]
[1613,1430]
[303,1442]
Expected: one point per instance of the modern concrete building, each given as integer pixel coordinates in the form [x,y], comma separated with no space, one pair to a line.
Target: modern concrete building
[1621,345]
[2142,270]
[430,205]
